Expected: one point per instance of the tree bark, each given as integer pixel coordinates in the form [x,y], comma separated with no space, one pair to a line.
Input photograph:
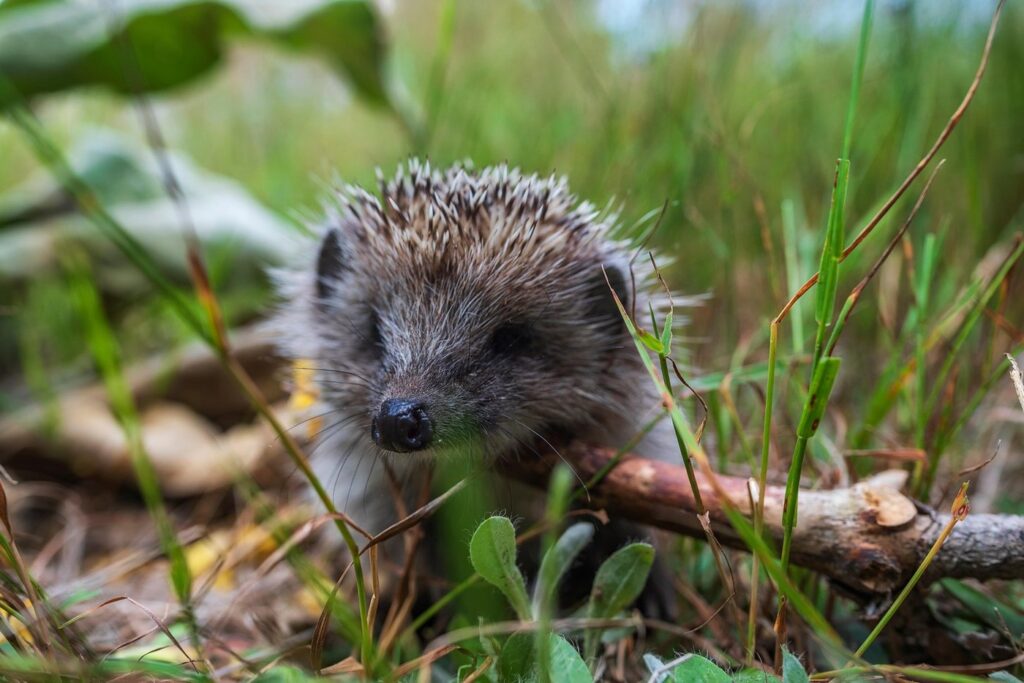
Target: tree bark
[868,539]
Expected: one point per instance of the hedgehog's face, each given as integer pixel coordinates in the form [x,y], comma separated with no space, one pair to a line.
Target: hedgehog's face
[483,356]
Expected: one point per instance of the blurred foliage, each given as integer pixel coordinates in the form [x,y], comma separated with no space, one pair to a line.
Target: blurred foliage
[731,113]
[149,45]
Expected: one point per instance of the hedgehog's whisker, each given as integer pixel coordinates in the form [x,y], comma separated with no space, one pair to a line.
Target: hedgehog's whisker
[558,453]
[308,419]
[335,478]
[355,475]
[330,430]
[518,441]
[334,370]
[320,433]
[346,462]
[343,383]
[366,487]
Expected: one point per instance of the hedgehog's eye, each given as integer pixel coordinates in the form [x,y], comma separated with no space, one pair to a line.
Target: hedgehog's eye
[512,338]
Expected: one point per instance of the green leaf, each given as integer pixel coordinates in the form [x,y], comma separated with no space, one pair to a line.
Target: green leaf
[792,670]
[518,660]
[828,268]
[620,580]
[988,609]
[817,397]
[666,334]
[1004,676]
[617,584]
[692,669]
[492,550]
[754,676]
[558,560]
[652,342]
[54,46]
[566,663]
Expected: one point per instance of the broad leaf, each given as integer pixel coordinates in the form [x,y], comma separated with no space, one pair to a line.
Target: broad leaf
[152,45]
[620,580]
[518,660]
[754,676]
[617,584]
[692,669]
[558,560]
[38,215]
[492,550]
[792,670]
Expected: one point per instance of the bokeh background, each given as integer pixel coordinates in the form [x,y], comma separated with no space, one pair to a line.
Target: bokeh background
[729,113]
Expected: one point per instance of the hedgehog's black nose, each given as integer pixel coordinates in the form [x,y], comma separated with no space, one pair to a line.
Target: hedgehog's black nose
[401,426]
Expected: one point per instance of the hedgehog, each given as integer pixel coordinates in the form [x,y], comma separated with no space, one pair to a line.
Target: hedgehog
[466,313]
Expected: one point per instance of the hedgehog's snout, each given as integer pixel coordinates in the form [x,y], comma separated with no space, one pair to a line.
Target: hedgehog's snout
[402,425]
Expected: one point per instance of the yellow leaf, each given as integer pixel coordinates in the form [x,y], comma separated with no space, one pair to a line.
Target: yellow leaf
[306,394]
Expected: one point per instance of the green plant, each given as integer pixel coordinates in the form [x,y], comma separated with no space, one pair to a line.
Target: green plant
[617,584]
[693,668]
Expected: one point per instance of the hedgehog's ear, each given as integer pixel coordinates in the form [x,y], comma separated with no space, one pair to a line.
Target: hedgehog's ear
[602,308]
[330,263]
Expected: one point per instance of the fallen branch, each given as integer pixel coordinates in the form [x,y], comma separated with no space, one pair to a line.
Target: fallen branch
[868,539]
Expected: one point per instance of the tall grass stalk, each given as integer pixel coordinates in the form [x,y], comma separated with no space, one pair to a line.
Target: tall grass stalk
[814,409]
[661,344]
[922,289]
[106,355]
[559,490]
[743,528]
[823,372]
[762,483]
[791,250]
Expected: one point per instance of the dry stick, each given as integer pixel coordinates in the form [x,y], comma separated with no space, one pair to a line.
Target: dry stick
[868,539]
